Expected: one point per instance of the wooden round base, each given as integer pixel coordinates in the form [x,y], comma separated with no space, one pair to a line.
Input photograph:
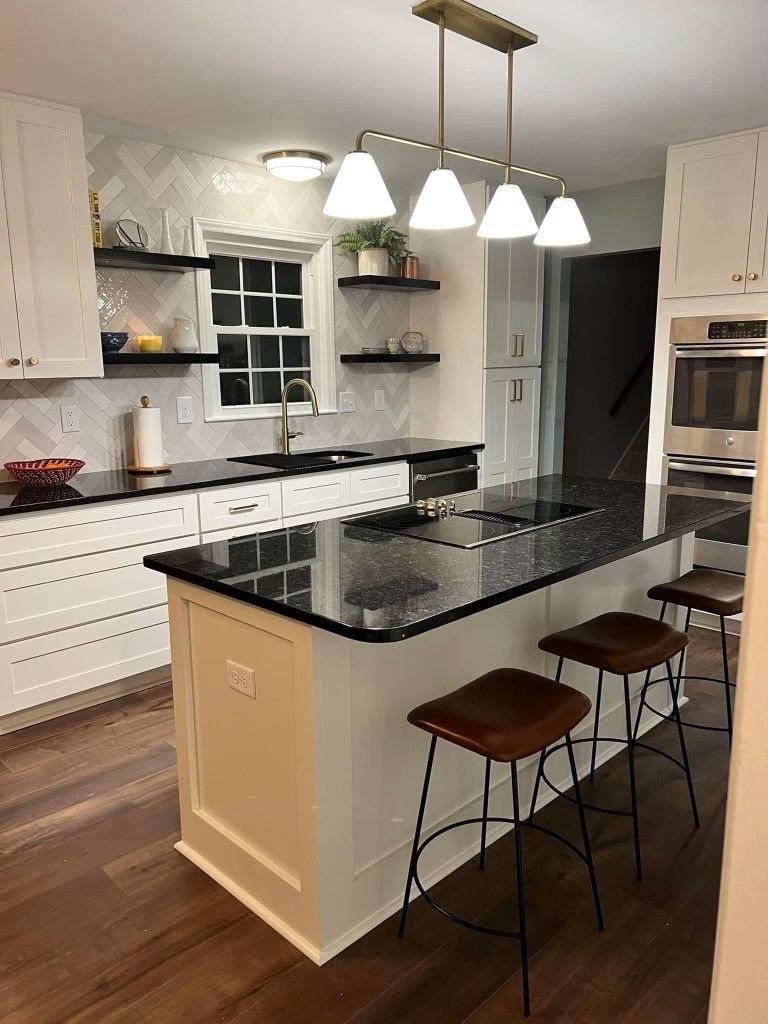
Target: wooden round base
[141,470]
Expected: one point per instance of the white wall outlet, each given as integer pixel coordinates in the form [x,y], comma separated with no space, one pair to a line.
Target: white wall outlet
[70,419]
[378,400]
[241,679]
[184,409]
[346,401]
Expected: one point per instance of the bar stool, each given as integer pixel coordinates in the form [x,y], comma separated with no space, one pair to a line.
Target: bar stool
[504,715]
[704,590]
[621,643]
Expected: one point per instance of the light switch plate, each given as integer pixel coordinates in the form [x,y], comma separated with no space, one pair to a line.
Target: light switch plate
[184,409]
[241,678]
[346,401]
[378,400]
[70,419]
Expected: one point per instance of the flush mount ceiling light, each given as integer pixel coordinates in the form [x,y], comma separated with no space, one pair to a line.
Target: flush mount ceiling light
[359,191]
[295,164]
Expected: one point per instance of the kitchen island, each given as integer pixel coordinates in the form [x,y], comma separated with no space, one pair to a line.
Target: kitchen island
[298,653]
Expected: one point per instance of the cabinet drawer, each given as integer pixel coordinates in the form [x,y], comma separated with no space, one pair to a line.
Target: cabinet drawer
[343,513]
[303,495]
[71,660]
[376,483]
[224,507]
[72,591]
[67,533]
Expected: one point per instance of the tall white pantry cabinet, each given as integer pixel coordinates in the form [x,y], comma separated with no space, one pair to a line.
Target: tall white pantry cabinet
[49,324]
[486,322]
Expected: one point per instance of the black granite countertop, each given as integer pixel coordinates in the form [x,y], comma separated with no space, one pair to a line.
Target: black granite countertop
[379,587]
[112,485]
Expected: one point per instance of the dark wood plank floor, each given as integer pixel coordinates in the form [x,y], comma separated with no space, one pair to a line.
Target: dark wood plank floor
[101,921]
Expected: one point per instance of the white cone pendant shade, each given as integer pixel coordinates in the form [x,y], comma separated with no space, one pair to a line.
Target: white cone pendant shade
[442,204]
[563,225]
[359,192]
[508,215]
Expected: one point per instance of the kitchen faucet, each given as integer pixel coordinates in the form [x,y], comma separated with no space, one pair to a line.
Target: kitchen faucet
[287,434]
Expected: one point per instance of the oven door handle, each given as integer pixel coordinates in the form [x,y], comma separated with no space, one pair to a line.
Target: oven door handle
[707,467]
[420,477]
[721,352]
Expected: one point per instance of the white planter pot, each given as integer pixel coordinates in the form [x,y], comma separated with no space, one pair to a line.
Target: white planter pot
[373,261]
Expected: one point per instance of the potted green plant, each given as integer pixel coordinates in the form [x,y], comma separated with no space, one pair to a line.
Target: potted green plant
[376,244]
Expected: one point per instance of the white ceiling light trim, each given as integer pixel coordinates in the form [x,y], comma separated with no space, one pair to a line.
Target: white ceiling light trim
[295,164]
[508,215]
[563,225]
[359,192]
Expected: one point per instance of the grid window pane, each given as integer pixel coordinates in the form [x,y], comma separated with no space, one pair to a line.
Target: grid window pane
[289,313]
[257,276]
[288,278]
[233,351]
[266,388]
[234,389]
[227,311]
[295,351]
[226,273]
[259,311]
[265,351]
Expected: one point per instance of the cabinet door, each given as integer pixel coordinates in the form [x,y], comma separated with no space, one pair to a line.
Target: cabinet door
[757,262]
[498,350]
[10,348]
[511,425]
[525,449]
[46,196]
[707,215]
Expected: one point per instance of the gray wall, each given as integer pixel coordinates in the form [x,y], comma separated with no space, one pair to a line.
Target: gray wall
[619,218]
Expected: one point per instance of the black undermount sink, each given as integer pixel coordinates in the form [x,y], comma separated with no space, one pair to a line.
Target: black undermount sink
[278,460]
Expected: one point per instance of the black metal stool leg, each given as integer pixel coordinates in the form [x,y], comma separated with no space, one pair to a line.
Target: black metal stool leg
[585,834]
[417,834]
[683,652]
[520,893]
[643,692]
[726,680]
[540,769]
[596,727]
[485,812]
[632,782]
[683,748]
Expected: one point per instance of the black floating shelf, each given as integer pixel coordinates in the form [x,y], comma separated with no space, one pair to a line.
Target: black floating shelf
[401,357]
[158,358]
[138,259]
[389,284]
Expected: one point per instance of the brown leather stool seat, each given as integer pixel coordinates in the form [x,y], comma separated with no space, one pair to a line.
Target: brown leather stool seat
[706,590]
[504,715]
[618,642]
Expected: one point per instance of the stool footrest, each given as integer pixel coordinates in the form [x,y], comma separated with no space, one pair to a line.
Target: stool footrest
[683,722]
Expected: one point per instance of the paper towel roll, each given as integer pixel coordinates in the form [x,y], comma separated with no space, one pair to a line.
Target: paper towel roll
[147,437]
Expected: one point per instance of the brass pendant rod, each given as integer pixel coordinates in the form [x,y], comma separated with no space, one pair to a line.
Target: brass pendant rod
[510,61]
[477,157]
[441,90]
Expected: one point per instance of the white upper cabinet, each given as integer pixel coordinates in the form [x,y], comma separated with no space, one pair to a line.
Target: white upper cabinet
[514,289]
[757,260]
[713,212]
[10,346]
[52,274]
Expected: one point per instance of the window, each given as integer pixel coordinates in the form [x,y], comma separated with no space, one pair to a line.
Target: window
[266,310]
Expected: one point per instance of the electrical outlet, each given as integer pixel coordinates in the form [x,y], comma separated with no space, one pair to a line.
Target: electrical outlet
[184,409]
[347,401]
[241,679]
[70,419]
[378,400]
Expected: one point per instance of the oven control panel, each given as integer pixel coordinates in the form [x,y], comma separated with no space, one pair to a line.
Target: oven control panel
[734,330]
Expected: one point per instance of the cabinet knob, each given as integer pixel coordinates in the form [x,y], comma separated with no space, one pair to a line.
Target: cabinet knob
[33,361]
[752,276]
[735,277]
[14,362]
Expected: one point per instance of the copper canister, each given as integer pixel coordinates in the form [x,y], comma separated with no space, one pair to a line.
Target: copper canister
[409,266]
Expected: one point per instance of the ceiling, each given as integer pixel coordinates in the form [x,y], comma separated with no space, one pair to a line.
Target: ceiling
[607,88]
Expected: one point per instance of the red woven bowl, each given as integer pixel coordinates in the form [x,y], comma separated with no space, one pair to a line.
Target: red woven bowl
[44,472]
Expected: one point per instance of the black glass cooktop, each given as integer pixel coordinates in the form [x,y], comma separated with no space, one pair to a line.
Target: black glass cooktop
[469,527]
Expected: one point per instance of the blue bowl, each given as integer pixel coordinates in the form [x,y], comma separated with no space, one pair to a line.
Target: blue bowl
[113,341]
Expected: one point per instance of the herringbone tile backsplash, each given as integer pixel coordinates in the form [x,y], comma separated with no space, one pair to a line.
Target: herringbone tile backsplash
[138,180]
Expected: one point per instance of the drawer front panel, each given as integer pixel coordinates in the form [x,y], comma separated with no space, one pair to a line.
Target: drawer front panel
[225,507]
[376,483]
[57,595]
[305,494]
[341,513]
[67,533]
[69,661]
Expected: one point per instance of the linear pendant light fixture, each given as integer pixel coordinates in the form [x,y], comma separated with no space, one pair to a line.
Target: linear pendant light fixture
[359,191]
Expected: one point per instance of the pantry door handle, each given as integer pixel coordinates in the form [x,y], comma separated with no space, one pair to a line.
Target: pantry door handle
[519,389]
[243,508]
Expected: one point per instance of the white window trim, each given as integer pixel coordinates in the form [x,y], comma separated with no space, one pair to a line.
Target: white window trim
[225,235]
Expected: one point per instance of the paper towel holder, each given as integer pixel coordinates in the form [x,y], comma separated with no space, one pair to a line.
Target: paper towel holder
[141,470]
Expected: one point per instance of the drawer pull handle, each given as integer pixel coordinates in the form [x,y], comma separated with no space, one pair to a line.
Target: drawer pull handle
[421,477]
[243,508]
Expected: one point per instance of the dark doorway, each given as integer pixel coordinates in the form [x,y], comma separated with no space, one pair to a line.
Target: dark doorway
[612,316]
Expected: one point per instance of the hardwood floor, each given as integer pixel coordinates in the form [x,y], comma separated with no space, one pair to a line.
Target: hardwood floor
[102,921]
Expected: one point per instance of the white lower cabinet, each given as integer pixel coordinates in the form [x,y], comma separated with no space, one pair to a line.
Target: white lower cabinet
[511,425]
[239,505]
